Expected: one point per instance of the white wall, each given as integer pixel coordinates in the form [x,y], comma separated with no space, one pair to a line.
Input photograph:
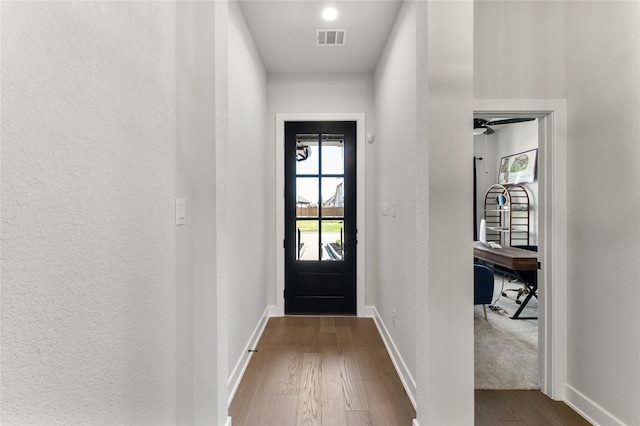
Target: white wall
[423,107]
[603,104]
[88,235]
[247,191]
[603,96]
[514,139]
[321,93]
[185,132]
[518,49]
[444,260]
[200,399]
[395,164]
[507,140]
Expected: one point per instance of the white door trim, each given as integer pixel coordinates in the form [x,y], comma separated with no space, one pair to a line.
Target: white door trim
[552,192]
[359,118]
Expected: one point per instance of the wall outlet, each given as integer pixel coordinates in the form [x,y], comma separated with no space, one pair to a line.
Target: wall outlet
[181,211]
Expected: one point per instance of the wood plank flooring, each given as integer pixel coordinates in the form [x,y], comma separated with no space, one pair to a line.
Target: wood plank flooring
[329,371]
[522,408]
[335,371]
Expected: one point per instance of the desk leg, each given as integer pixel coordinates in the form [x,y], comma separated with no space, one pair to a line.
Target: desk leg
[532,292]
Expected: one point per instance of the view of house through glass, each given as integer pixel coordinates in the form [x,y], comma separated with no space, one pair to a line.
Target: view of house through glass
[320,196]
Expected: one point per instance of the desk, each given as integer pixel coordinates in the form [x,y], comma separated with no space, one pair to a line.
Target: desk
[523,262]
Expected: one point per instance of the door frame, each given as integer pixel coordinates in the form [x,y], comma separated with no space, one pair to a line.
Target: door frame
[359,118]
[552,230]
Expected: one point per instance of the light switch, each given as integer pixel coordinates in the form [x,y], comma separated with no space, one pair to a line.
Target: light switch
[181,211]
[385,209]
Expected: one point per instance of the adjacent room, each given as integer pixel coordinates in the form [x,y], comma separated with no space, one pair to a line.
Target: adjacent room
[506,215]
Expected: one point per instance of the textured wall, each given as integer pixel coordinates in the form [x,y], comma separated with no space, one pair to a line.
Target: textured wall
[604,204]
[518,49]
[444,324]
[395,164]
[248,192]
[513,139]
[88,241]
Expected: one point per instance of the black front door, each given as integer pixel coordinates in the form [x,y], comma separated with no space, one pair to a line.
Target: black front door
[320,217]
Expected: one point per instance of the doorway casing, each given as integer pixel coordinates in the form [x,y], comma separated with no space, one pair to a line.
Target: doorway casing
[552,230]
[359,118]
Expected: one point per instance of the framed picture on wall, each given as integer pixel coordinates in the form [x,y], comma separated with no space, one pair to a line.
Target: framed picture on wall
[518,168]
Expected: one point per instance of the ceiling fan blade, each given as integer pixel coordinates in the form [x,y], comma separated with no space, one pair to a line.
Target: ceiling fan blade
[509,121]
[479,122]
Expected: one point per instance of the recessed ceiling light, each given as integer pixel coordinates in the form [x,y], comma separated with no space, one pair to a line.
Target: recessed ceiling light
[330,13]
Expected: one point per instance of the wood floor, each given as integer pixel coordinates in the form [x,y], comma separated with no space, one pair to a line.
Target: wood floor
[335,371]
[523,408]
[327,371]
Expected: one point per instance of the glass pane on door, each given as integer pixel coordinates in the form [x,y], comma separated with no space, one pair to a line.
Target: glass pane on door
[332,197]
[307,240]
[332,240]
[307,197]
[307,154]
[332,154]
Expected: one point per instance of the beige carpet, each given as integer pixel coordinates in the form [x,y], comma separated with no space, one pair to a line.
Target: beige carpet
[506,350]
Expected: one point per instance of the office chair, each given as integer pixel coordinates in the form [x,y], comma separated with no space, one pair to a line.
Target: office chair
[482,286]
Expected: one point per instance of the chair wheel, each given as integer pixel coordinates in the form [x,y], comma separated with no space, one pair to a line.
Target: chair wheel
[504,294]
[518,302]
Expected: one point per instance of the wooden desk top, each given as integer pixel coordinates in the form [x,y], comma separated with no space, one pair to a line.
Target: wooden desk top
[513,258]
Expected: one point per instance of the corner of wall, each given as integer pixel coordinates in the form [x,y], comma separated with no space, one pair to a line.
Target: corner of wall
[241,365]
[588,409]
[408,382]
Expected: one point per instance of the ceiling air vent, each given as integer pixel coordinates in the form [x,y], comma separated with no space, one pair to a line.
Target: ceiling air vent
[331,37]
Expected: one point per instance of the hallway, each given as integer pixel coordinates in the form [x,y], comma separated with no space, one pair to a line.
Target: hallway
[142,208]
[321,371]
[336,371]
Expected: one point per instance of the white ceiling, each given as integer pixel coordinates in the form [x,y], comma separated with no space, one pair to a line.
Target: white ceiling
[285,34]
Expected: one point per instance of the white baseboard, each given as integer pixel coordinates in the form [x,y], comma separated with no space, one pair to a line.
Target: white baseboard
[228,422]
[273,311]
[415,423]
[243,362]
[405,376]
[588,409]
[368,312]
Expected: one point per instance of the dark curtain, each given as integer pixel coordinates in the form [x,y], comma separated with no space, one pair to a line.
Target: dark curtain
[475,202]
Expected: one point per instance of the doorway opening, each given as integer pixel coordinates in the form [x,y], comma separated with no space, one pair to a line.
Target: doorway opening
[552,230]
[506,215]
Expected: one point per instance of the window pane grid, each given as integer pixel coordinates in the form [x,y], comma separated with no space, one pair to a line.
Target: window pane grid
[320,197]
